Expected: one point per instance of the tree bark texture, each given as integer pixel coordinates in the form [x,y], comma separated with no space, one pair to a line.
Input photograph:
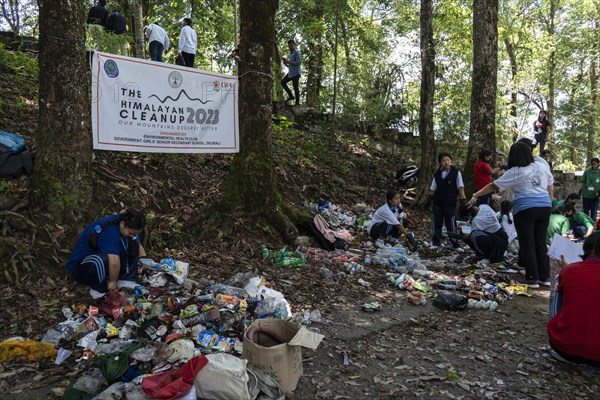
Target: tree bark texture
[551,74]
[63,171]
[592,111]
[428,159]
[482,131]
[251,188]
[314,77]
[140,41]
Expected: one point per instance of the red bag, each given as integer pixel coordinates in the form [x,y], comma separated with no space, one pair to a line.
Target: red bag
[173,384]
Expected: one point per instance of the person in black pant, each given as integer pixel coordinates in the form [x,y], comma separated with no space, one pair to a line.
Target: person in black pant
[446,186]
[294,63]
[532,184]
[487,238]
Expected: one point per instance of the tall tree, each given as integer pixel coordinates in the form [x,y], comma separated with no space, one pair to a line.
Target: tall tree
[482,132]
[63,175]
[251,189]
[138,18]
[427,95]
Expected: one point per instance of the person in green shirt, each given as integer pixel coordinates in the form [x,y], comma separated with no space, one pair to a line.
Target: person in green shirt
[590,188]
[572,198]
[581,224]
[558,224]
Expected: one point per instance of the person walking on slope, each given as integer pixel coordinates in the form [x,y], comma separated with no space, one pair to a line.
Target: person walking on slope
[188,43]
[294,63]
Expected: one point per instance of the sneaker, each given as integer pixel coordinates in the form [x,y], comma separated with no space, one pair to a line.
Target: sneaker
[96,294]
[532,284]
[545,283]
[560,358]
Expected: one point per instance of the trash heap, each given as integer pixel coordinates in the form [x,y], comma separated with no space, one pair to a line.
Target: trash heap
[145,339]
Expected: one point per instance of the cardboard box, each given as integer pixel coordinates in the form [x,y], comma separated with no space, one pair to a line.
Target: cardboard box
[282,361]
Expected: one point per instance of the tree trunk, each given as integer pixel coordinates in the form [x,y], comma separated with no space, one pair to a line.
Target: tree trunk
[512,57]
[251,189]
[314,77]
[428,160]
[482,131]
[592,111]
[140,41]
[63,174]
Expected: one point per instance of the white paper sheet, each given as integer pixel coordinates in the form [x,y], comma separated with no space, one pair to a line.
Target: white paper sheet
[563,246]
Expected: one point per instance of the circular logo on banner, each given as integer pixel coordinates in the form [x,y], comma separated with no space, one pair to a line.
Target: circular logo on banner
[111,69]
[175,79]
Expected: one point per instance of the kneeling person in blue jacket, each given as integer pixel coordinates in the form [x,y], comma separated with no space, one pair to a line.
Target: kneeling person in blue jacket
[108,250]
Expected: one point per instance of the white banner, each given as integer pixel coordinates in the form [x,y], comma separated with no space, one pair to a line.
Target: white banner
[148,106]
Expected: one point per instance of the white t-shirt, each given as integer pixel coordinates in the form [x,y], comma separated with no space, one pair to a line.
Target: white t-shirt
[532,179]
[157,33]
[459,180]
[510,229]
[188,40]
[486,220]
[385,214]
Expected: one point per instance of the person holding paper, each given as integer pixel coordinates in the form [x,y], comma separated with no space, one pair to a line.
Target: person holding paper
[532,184]
[574,327]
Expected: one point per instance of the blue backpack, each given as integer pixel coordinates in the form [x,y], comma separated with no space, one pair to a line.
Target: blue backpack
[15,160]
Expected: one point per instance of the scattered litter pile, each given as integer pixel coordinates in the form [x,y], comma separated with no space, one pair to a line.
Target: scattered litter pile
[174,337]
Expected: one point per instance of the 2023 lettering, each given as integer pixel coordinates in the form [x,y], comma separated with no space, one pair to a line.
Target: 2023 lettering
[201,116]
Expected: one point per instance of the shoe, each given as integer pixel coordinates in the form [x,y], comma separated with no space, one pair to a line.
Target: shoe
[532,284]
[545,283]
[522,272]
[560,358]
[96,294]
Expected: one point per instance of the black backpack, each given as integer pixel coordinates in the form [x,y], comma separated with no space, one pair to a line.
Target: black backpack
[15,160]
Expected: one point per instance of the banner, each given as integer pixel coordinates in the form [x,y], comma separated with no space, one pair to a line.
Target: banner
[147,106]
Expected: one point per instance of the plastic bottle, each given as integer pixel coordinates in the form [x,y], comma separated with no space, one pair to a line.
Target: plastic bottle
[367,260]
[291,262]
[62,355]
[264,251]
[421,273]
[221,288]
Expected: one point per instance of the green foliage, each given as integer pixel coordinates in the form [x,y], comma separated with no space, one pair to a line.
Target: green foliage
[102,40]
[17,95]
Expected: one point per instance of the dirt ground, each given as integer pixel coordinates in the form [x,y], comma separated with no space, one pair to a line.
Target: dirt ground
[402,351]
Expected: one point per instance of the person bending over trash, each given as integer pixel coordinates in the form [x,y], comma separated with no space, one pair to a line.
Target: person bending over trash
[581,224]
[108,251]
[391,220]
[487,238]
[574,327]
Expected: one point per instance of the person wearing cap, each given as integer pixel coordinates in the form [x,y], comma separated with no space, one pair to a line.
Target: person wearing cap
[188,43]
[294,64]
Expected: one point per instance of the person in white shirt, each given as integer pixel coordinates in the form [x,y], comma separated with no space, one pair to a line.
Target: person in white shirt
[487,238]
[158,41]
[391,220]
[188,42]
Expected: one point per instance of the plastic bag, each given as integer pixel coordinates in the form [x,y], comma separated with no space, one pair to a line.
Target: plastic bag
[171,385]
[449,301]
[224,378]
[34,351]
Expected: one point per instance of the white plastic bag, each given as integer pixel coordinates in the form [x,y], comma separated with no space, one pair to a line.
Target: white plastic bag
[223,378]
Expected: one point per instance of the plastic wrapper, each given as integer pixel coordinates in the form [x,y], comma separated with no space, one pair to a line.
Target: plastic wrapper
[62,355]
[90,381]
[52,336]
[88,342]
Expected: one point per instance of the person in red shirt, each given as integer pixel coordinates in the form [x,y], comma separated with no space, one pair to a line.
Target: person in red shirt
[574,327]
[482,173]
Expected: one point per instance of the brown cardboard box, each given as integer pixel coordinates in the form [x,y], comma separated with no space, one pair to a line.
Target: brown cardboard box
[282,361]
